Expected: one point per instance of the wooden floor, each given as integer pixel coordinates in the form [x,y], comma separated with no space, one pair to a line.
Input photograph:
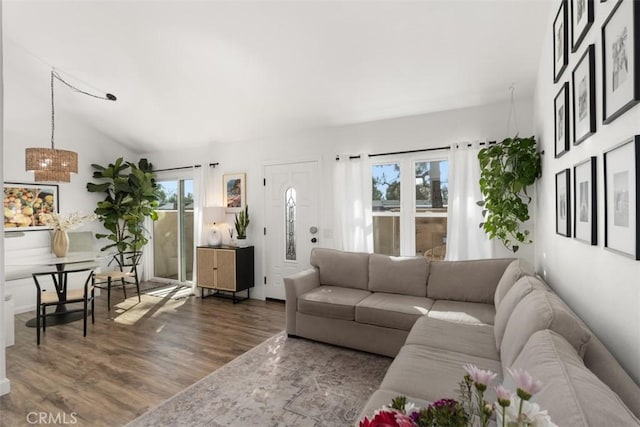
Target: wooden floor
[132,359]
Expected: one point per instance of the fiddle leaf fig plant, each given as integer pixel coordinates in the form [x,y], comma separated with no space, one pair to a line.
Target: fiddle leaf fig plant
[131,195]
[506,171]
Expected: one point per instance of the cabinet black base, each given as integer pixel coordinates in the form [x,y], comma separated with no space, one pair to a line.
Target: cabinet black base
[227,295]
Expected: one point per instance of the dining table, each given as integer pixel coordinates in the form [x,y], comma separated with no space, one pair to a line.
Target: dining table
[77,260]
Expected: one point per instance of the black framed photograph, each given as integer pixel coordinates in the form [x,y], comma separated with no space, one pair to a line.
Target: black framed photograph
[561,120]
[563,203]
[583,84]
[581,21]
[585,213]
[621,164]
[620,53]
[24,205]
[560,41]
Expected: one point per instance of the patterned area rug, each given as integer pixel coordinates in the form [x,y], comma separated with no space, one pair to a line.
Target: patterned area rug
[282,382]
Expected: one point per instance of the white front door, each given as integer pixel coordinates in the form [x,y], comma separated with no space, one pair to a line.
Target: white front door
[291,207]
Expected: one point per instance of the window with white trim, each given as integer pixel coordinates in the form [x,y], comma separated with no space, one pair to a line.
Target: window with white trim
[410,197]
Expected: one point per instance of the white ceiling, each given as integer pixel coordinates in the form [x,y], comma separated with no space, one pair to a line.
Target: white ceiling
[188,73]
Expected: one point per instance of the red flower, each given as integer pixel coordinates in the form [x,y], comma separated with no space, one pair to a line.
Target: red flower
[381,419]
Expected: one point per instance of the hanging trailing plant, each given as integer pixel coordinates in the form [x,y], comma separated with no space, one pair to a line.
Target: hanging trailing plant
[506,171]
[131,195]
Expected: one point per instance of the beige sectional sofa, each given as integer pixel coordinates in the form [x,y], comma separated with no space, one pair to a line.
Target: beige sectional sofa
[434,317]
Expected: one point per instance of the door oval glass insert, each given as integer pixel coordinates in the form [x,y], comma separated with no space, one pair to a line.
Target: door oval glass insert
[290,223]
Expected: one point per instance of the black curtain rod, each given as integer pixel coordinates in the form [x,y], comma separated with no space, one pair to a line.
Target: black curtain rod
[392,153]
[211,165]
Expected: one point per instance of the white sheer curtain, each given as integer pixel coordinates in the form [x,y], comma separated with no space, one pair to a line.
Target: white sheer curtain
[353,204]
[199,202]
[465,239]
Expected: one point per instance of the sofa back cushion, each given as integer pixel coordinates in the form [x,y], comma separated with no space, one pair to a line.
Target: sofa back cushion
[471,281]
[537,311]
[511,275]
[398,275]
[339,268]
[601,362]
[517,292]
[571,393]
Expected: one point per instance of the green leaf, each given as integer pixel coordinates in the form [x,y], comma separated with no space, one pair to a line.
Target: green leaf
[130,195]
[507,169]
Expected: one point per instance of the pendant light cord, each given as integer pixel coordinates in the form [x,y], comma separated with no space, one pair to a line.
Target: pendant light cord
[107,97]
[55,75]
[53,114]
[512,111]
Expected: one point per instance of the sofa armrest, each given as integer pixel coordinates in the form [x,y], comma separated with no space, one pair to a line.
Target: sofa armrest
[294,286]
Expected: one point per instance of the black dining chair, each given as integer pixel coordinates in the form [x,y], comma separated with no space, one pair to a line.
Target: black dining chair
[61,296]
[125,274]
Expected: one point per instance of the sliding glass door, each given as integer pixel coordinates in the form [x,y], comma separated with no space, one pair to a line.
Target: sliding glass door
[173,231]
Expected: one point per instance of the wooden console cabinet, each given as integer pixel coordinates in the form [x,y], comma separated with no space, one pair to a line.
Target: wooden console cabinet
[225,269]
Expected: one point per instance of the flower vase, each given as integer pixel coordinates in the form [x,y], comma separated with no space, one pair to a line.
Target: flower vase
[242,243]
[60,243]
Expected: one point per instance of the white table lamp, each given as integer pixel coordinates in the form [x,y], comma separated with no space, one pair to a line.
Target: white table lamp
[214,215]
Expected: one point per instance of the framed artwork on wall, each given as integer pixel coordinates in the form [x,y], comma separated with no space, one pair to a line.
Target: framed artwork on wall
[581,21]
[585,212]
[234,192]
[24,203]
[620,57]
[560,41]
[561,120]
[584,96]
[563,203]
[621,164]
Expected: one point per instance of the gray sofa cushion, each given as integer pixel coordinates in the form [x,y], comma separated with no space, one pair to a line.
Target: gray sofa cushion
[523,287]
[430,373]
[392,310]
[398,275]
[571,393]
[338,268]
[537,311]
[512,274]
[474,340]
[602,363]
[472,313]
[472,281]
[331,301]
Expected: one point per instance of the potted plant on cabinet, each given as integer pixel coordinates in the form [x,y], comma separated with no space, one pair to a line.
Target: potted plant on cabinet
[241,223]
[131,195]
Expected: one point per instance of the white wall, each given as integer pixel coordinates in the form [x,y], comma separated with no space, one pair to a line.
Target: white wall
[407,133]
[601,286]
[5,385]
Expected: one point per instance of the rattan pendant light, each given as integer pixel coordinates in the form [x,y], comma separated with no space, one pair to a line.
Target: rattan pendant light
[52,164]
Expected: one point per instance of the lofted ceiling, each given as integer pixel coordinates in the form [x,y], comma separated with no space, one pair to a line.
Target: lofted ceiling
[187,73]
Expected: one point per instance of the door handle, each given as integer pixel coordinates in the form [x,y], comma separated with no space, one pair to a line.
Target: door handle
[314,240]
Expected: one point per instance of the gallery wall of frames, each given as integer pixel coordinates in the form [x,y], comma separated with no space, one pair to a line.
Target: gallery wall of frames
[576,192]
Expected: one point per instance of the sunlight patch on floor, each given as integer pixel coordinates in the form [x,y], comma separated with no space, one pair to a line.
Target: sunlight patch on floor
[130,311]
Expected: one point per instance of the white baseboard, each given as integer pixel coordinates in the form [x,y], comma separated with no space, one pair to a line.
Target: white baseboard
[5,386]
